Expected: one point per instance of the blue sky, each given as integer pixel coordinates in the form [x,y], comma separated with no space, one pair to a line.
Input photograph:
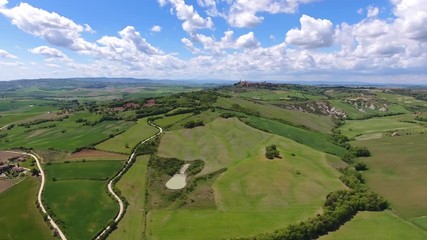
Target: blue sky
[289,40]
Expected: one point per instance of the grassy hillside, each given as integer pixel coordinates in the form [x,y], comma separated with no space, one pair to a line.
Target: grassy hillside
[65,135]
[254,195]
[377,127]
[132,186]
[397,171]
[19,218]
[379,226]
[78,189]
[124,143]
[83,170]
[316,140]
[315,122]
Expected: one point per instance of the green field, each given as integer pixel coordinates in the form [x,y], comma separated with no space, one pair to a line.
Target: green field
[379,226]
[171,120]
[132,186]
[316,140]
[76,191]
[205,117]
[12,110]
[315,122]
[376,127]
[397,171]
[83,170]
[19,217]
[254,195]
[273,95]
[124,143]
[66,135]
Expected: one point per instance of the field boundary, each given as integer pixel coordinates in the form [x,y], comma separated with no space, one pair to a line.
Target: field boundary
[107,230]
[40,192]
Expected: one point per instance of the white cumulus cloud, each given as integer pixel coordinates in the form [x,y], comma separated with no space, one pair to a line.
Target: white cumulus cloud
[190,17]
[3,3]
[49,53]
[55,29]
[156,28]
[5,54]
[314,33]
[245,13]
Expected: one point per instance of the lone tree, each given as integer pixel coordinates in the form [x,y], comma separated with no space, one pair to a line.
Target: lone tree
[271,152]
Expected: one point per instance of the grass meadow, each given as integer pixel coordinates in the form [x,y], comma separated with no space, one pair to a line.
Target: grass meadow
[166,122]
[124,143]
[316,140]
[78,196]
[83,170]
[19,214]
[254,195]
[66,135]
[397,171]
[132,185]
[377,126]
[315,122]
[379,226]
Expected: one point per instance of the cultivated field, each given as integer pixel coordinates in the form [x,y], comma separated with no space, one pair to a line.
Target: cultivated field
[75,189]
[316,140]
[254,195]
[133,185]
[171,120]
[125,142]
[91,154]
[377,127]
[65,135]
[397,172]
[19,218]
[315,122]
[379,226]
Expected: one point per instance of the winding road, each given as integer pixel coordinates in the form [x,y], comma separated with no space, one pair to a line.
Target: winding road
[119,175]
[39,195]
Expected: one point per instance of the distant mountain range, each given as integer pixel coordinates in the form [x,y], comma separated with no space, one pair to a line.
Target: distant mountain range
[100,82]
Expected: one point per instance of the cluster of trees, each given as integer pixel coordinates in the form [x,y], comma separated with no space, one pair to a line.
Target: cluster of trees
[271,152]
[193,124]
[340,206]
[354,152]
[149,147]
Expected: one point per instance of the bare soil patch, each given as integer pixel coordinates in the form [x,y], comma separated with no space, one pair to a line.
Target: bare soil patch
[4,156]
[6,184]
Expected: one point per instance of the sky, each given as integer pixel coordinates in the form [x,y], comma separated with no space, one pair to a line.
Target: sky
[382,41]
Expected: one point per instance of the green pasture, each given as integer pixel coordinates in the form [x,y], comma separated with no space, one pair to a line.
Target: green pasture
[83,206]
[171,120]
[132,185]
[77,195]
[316,140]
[379,226]
[397,171]
[403,100]
[254,195]
[378,126]
[124,143]
[206,117]
[19,217]
[274,95]
[353,113]
[83,170]
[315,122]
[66,135]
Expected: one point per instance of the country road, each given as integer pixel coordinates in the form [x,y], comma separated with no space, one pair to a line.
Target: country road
[119,175]
[39,195]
